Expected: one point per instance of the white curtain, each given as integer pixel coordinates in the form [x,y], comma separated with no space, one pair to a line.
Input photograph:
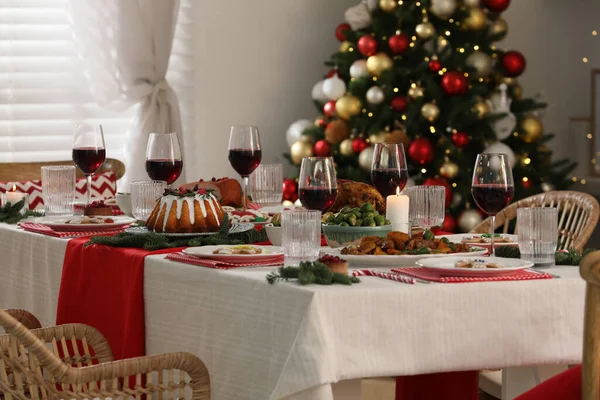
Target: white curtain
[125,45]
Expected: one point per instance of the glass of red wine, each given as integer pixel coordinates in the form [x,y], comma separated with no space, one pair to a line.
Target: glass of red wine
[163,157]
[244,153]
[492,187]
[89,152]
[388,170]
[317,187]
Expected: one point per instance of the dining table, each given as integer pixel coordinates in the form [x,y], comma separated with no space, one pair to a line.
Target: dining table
[287,341]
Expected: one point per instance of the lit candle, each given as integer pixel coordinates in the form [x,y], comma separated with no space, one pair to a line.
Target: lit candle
[13,197]
[397,211]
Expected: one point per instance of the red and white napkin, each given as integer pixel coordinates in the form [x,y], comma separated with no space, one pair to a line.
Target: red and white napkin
[384,275]
[205,262]
[433,276]
[46,230]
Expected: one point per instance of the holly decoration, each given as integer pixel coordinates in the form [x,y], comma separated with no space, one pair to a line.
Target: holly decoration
[460,139]
[455,83]
[329,108]
[290,189]
[367,45]
[421,151]
[340,31]
[399,43]
[496,6]
[359,144]
[435,65]
[513,63]
[399,103]
[322,148]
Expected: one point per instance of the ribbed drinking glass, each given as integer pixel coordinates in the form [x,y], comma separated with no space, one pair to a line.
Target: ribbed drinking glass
[144,195]
[427,206]
[58,189]
[301,237]
[537,228]
[267,184]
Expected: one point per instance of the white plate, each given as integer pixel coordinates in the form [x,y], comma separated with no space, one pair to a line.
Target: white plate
[59,223]
[445,266]
[459,237]
[388,261]
[237,228]
[277,209]
[268,253]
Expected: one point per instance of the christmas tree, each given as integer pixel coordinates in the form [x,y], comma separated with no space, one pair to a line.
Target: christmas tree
[428,74]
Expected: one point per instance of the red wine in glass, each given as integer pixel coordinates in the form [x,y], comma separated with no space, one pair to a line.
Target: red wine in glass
[387,180]
[245,161]
[164,170]
[89,159]
[492,198]
[317,198]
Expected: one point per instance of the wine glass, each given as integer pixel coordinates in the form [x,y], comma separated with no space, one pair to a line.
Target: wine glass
[492,187]
[388,170]
[89,152]
[163,157]
[317,187]
[244,153]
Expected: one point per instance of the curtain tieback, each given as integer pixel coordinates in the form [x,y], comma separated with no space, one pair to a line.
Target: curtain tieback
[156,88]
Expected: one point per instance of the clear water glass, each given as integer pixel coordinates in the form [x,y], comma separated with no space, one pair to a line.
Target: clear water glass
[427,206]
[267,184]
[537,228]
[58,189]
[301,239]
[144,195]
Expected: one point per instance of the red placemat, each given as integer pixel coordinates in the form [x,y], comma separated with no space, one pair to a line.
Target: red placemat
[428,275]
[204,262]
[46,230]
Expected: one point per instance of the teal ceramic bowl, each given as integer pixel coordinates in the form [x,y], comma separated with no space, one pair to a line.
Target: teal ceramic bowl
[340,236]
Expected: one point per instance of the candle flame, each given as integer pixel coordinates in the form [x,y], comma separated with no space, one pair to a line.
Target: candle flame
[14,189]
[397,190]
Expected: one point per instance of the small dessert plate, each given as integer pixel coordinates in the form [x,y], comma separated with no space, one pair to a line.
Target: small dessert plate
[238,228]
[266,253]
[446,266]
[72,224]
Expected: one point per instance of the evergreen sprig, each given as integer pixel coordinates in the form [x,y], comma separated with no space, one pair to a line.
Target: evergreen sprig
[310,273]
[570,257]
[11,213]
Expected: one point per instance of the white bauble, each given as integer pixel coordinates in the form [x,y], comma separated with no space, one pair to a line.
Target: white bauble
[334,87]
[358,69]
[468,220]
[482,64]
[317,92]
[375,95]
[443,9]
[294,132]
[358,17]
[365,158]
[501,148]
[471,3]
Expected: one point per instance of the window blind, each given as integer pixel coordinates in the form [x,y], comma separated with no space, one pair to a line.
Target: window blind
[43,92]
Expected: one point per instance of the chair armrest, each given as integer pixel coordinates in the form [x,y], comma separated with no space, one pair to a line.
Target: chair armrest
[589,268]
[26,318]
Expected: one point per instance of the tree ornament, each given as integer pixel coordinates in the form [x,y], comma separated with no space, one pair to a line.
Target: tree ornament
[449,224]
[388,6]
[299,151]
[425,30]
[448,170]
[334,87]
[358,16]
[398,136]
[322,148]
[317,92]
[290,189]
[481,62]
[476,20]
[532,128]
[469,219]
[460,139]
[367,45]
[348,106]
[548,187]
[527,184]
[421,151]
[375,95]
[337,131]
[471,3]
[501,148]
[399,43]
[430,111]
[358,69]
[399,103]
[365,158]
[513,63]
[416,91]
[443,9]
[346,147]
[454,83]
[320,121]
[329,108]
[439,181]
[345,46]
[340,31]
[504,126]
[441,43]
[499,29]
[435,65]
[482,108]
[359,144]
[516,91]
[496,6]
[377,137]
[294,132]
[378,63]
[332,72]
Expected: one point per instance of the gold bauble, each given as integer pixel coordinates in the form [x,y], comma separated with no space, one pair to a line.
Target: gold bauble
[482,109]
[306,139]
[430,111]
[508,80]
[471,3]
[481,62]
[337,131]
[299,151]
[378,63]
[388,6]
[416,91]
[443,9]
[532,128]
[499,28]
[378,137]
[345,46]
[476,20]
[442,42]
[348,106]
[449,170]
[398,136]
[346,147]
[425,30]
[516,91]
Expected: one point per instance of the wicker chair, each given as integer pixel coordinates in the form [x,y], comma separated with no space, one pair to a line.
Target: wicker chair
[26,318]
[590,271]
[75,362]
[32,171]
[577,216]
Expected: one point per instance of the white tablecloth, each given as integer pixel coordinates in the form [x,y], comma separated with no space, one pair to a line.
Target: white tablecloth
[267,342]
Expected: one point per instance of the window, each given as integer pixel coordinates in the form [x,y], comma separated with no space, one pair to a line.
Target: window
[43,92]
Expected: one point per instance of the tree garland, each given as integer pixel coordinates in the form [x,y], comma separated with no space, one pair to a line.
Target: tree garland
[11,213]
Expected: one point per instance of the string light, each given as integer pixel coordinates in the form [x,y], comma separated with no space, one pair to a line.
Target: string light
[593,161]
[583,181]
[493,48]
[432,129]
[404,118]
[447,151]
[451,20]
[418,4]
[364,110]
[370,115]
[594,33]
[454,185]
[374,79]
[466,74]
[423,171]
[444,69]
[447,33]
[412,44]
[527,161]
[475,47]
[589,135]
[515,134]
[414,38]
[396,90]
[525,179]
[441,72]
[480,79]
[574,179]
[585,59]
[461,50]
[413,85]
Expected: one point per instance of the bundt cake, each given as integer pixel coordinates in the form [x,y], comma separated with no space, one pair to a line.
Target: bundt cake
[186,211]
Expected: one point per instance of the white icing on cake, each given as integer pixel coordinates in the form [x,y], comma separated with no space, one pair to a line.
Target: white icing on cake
[170,199]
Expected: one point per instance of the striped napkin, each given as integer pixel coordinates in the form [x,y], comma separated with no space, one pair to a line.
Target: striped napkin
[205,262]
[428,275]
[384,275]
[46,230]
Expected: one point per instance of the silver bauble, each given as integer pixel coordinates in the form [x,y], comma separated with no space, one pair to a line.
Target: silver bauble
[375,95]
[365,158]
[358,69]
[317,92]
[468,220]
[443,9]
[482,64]
[548,187]
[294,132]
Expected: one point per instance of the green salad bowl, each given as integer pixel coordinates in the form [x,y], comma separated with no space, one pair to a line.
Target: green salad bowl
[341,236]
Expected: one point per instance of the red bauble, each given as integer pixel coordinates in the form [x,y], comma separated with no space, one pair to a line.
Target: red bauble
[460,139]
[359,144]
[514,63]
[399,103]
[421,151]
[320,122]
[438,181]
[367,45]
[496,5]
[399,43]
[322,148]
[329,109]
[455,83]
[527,184]
[333,72]
[290,189]
[339,31]
[434,65]
[449,223]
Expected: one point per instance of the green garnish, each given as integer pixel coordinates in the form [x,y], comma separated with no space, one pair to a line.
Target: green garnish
[310,273]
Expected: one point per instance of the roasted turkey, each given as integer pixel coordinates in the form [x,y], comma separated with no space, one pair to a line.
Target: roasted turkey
[355,194]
